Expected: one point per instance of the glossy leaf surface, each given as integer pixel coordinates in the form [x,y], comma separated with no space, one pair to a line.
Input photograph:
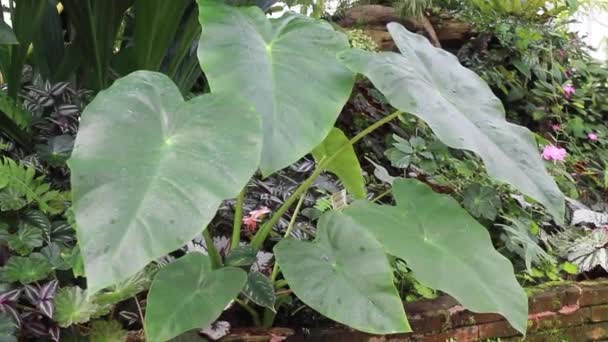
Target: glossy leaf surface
[445,248]
[461,109]
[188,294]
[286,67]
[346,165]
[344,275]
[150,170]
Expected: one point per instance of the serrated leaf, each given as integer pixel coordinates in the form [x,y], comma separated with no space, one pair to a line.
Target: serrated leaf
[260,290]
[170,312]
[445,248]
[25,239]
[107,331]
[53,254]
[461,110]
[345,165]
[482,201]
[26,269]
[278,65]
[150,169]
[11,199]
[72,306]
[344,275]
[241,256]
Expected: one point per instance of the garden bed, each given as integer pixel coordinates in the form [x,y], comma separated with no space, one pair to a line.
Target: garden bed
[576,311]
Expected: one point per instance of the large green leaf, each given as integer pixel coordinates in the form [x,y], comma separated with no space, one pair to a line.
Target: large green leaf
[345,165]
[460,108]
[149,171]
[286,67]
[344,275]
[445,248]
[188,294]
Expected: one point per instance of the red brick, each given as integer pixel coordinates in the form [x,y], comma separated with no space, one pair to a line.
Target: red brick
[467,318]
[599,313]
[551,300]
[466,334]
[594,294]
[595,332]
[496,329]
[436,322]
[559,320]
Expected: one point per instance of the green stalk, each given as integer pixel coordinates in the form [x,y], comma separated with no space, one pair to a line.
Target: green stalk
[214,254]
[275,268]
[254,314]
[238,218]
[262,234]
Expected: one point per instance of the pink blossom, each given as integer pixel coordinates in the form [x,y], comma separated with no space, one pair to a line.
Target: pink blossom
[554,153]
[251,221]
[592,136]
[556,127]
[569,90]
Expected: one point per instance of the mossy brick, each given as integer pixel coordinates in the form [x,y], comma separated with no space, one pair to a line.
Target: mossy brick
[552,300]
[559,320]
[599,313]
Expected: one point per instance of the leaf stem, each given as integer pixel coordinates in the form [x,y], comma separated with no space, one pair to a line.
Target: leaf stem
[238,218]
[275,268]
[262,234]
[141,317]
[214,254]
[381,195]
[254,314]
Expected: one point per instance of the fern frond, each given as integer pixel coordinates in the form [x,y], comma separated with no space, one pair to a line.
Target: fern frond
[21,181]
[15,111]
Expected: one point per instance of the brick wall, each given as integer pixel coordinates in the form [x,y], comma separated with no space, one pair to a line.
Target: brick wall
[569,312]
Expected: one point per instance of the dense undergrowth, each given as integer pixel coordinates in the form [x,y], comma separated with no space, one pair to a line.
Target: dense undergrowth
[540,71]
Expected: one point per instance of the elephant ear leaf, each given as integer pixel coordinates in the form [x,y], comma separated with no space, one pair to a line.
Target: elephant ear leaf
[286,67]
[149,171]
[445,247]
[461,109]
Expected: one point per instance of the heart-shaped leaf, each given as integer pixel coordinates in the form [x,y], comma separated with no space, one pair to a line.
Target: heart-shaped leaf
[150,170]
[344,275]
[286,67]
[461,109]
[445,248]
[188,294]
[345,165]
[260,290]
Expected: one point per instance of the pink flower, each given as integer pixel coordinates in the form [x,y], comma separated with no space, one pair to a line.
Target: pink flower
[556,127]
[592,136]
[251,221]
[569,90]
[554,153]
